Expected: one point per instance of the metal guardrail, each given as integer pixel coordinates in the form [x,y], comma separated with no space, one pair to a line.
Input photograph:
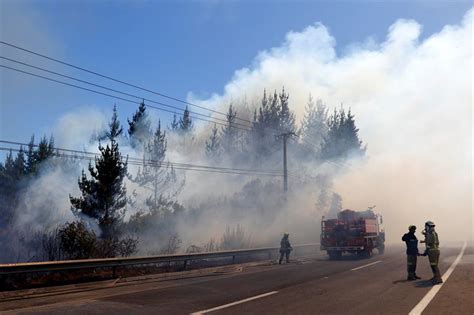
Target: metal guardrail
[8,269]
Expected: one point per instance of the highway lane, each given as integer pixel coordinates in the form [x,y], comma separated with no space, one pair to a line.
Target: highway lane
[378,289]
[312,285]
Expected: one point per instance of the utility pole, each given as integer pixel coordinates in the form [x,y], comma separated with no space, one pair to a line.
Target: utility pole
[285,163]
[285,166]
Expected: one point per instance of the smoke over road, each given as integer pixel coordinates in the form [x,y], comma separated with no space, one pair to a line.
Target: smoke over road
[412,100]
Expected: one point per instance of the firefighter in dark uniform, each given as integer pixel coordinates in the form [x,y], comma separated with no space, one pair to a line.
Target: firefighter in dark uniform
[412,252]
[285,248]
[432,250]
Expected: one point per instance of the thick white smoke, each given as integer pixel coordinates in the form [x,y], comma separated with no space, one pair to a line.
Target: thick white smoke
[412,99]
[413,104]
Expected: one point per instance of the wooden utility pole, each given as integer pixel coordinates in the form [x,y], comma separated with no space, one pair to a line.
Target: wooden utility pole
[285,163]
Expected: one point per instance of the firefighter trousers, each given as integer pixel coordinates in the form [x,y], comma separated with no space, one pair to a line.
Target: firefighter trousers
[433,257]
[411,265]
[284,253]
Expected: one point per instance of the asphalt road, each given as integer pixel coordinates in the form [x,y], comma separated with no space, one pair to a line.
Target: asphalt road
[310,285]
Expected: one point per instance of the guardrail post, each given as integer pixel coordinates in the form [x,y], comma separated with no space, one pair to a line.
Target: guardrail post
[114,272]
[233,259]
[185,264]
[269,255]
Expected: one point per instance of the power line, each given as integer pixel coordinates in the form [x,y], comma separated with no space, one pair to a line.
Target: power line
[112,96]
[117,80]
[154,163]
[223,123]
[130,84]
[140,160]
[114,90]
[134,102]
[63,155]
[127,94]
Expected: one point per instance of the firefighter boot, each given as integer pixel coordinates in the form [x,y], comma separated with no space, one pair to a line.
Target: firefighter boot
[437,281]
[437,276]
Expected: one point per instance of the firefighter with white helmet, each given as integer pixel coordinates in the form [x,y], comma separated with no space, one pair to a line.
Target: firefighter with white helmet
[432,250]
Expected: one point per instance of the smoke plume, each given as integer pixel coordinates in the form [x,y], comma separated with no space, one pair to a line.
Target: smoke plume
[412,102]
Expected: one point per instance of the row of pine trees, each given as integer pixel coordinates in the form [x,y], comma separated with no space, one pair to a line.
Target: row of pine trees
[104,199]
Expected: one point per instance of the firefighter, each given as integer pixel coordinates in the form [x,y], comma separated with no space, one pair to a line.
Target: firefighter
[285,248]
[432,250]
[412,252]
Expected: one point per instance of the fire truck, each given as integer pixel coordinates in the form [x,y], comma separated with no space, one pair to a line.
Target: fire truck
[356,232]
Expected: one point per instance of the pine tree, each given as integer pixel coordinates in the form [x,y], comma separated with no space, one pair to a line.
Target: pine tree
[213,144]
[273,113]
[350,134]
[261,130]
[153,172]
[185,122]
[34,157]
[104,195]
[45,150]
[286,117]
[229,133]
[158,145]
[331,147]
[20,165]
[12,172]
[174,123]
[8,190]
[274,116]
[342,138]
[31,156]
[313,128]
[139,128]
[115,130]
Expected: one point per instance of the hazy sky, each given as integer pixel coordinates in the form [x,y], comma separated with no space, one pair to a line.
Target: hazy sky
[173,47]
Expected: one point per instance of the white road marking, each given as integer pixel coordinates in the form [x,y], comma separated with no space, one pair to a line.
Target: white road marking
[234,303]
[418,309]
[360,267]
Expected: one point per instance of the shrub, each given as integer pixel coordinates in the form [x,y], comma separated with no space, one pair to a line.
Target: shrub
[77,242]
[234,239]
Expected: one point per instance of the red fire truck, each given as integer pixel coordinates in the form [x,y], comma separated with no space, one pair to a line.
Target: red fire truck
[357,232]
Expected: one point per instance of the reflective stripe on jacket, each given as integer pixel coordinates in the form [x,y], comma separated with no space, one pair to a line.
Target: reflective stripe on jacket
[432,241]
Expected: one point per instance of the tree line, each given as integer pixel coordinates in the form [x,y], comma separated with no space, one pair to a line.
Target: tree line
[104,199]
